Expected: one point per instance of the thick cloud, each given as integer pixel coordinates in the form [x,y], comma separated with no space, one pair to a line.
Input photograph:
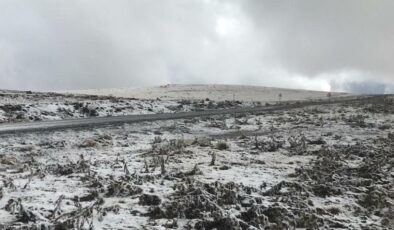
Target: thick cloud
[317,36]
[74,44]
[349,40]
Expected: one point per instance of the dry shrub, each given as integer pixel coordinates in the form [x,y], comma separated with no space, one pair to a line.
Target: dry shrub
[334,210]
[222,145]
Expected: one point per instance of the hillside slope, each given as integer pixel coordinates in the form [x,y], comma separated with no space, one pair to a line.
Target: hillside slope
[213,92]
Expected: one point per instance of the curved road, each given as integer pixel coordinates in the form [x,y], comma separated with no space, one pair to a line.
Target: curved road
[10,128]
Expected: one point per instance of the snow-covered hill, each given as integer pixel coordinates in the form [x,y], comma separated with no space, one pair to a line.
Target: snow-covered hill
[213,92]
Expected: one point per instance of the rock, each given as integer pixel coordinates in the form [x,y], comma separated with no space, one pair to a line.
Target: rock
[9,160]
[247,202]
[89,143]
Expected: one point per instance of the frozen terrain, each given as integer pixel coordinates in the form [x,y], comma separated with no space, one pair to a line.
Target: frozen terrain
[20,106]
[213,92]
[320,167]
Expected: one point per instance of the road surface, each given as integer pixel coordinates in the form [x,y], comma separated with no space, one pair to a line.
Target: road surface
[10,128]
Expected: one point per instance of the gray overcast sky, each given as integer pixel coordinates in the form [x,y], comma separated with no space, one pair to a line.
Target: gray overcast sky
[80,44]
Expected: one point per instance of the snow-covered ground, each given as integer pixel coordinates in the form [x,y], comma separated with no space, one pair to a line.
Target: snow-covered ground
[18,106]
[213,92]
[320,167]
[16,109]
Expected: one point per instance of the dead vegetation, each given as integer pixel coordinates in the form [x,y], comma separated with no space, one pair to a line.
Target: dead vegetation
[315,169]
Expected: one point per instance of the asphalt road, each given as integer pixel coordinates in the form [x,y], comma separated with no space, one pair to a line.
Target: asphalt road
[10,128]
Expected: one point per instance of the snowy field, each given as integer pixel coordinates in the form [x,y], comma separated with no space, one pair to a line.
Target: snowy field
[213,92]
[27,106]
[320,167]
